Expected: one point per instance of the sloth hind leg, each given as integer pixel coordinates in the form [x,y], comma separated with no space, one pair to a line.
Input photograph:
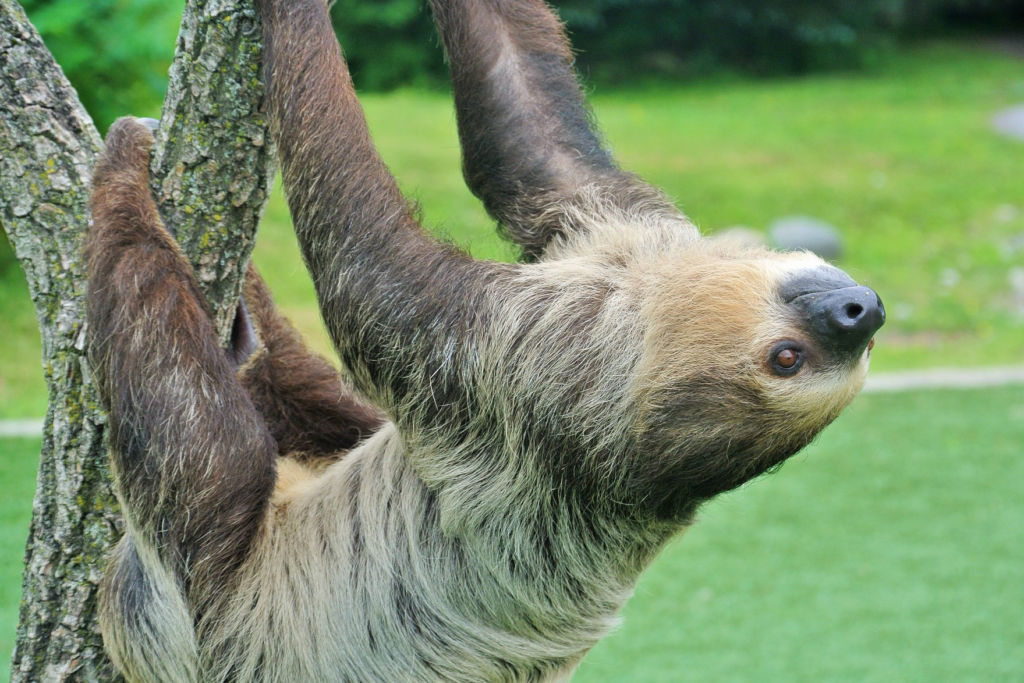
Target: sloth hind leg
[309,408]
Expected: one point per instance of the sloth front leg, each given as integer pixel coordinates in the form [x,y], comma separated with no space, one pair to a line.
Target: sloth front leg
[531,150]
[193,460]
[402,310]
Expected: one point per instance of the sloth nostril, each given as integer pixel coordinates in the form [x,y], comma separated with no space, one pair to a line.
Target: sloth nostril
[854,311]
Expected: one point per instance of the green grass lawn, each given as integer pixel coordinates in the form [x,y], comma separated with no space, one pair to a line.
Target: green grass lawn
[930,202]
[19,459]
[891,551]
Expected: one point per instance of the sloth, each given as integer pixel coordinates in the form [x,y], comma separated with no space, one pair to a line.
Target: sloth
[508,446]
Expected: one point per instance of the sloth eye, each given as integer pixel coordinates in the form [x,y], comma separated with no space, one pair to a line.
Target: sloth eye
[786,359]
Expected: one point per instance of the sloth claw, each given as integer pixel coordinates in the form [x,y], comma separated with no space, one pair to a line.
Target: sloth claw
[152,124]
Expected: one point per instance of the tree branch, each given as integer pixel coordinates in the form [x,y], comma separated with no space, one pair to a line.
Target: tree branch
[211,172]
[213,162]
[47,147]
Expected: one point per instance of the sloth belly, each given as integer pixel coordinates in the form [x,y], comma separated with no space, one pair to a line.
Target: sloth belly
[341,590]
[349,584]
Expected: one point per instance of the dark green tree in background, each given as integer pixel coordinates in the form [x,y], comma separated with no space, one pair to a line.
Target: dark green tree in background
[391,43]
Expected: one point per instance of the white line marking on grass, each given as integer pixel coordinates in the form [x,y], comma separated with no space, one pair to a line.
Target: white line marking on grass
[884,383]
[16,428]
[958,378]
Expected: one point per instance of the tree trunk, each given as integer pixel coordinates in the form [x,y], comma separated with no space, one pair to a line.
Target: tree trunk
[211,172]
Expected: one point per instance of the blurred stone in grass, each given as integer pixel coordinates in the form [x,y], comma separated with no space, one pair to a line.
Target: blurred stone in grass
[1012,245]
[1005,213]
[950,278]
[792,233]
[1010,122]
[1016,280]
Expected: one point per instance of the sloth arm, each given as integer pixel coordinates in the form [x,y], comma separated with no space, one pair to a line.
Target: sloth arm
[529,142]
[193,459]
[400,308]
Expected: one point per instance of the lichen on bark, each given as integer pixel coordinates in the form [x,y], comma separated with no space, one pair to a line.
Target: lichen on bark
[212,162]
[211,173]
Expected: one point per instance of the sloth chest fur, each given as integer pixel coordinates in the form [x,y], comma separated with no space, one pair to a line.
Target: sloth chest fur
[355,580]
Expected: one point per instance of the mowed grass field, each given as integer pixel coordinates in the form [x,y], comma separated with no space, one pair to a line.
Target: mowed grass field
[902,159]
[890,551]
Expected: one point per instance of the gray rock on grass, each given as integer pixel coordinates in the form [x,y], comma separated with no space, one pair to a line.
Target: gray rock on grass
[1010,122]
[792,233]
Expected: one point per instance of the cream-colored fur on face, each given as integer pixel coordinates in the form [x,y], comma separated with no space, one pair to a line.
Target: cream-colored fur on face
[714,305]
[708,305]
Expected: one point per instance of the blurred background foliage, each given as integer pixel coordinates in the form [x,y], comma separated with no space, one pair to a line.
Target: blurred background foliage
[116,52]
[626,40]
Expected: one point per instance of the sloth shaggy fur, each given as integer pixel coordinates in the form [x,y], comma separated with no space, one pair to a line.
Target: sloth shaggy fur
[510,444]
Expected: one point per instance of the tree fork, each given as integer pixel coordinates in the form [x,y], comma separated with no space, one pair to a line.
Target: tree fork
[212,166]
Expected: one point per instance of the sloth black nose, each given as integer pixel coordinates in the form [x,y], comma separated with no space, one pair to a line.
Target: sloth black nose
[844,320]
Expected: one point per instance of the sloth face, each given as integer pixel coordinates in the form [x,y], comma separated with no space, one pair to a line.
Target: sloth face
[749,355]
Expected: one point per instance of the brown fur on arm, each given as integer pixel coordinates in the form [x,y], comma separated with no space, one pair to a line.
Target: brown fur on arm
[303,400]
[193,460]
[528,140]
[397,304]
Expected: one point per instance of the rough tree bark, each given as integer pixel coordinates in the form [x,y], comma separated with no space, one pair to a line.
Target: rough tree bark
[211,174]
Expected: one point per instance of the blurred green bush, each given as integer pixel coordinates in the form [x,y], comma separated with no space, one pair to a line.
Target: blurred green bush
[116,52]
[620,40]
[391,43]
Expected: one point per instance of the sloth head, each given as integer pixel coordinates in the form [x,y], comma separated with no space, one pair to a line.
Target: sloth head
[748,355]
